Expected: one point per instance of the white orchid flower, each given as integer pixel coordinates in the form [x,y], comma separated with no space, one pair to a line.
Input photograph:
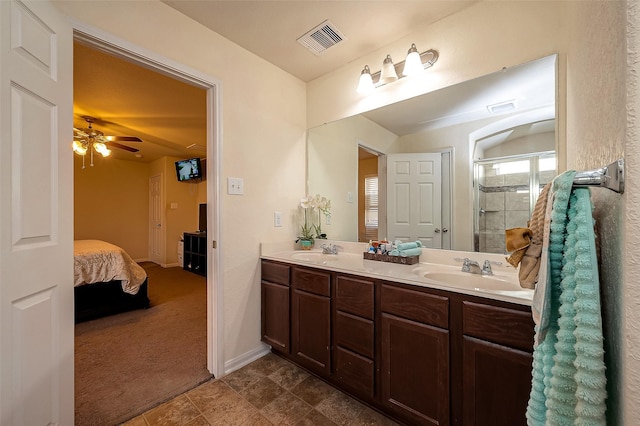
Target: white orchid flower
[306,202]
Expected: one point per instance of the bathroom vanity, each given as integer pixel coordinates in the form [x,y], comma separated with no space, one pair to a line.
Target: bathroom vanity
[420,350]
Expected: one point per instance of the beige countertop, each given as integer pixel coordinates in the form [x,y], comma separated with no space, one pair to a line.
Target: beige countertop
[437,269]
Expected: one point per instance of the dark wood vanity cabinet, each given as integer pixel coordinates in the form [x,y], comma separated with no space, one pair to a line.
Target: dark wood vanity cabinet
[275,305]
[496,364]
[415,355]
[423,356]
[311,319]
[354,335]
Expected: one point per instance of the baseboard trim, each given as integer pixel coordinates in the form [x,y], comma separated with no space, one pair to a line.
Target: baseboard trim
[171,265]
[246,358]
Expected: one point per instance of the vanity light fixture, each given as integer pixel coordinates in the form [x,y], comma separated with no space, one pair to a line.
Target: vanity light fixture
[412,65]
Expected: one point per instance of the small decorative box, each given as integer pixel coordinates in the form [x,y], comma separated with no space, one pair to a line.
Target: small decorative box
[408,260]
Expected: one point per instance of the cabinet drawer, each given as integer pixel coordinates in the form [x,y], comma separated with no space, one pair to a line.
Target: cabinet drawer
[504,326]
[355,296]
[275,272]
[354,333]
[355,372]
[315,282]
[416,305]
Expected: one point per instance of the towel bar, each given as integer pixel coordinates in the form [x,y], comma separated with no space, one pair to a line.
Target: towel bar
[610,177]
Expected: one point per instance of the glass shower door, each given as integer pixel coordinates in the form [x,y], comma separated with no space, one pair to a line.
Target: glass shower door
[506,191]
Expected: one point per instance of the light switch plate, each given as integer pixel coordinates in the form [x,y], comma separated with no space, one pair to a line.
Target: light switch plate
[235,186]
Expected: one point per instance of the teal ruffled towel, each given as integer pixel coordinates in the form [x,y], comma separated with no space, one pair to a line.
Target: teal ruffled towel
[569,382]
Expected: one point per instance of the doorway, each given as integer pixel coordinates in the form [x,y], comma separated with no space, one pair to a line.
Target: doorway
[162,65]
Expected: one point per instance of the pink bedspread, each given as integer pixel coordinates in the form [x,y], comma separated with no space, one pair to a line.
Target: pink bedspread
[99,261]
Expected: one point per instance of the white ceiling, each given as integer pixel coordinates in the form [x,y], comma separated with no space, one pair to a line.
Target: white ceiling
[270,29]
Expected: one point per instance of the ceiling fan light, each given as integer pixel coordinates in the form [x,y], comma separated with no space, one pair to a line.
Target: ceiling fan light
[79,148]
[102,149]
[388,74]
[366,82]
[413,63]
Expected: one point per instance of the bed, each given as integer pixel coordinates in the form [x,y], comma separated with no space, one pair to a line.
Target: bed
[106,280]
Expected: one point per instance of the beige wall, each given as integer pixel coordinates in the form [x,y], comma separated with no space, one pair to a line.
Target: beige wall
[596,133]
[111,203]
[627,250]
[591,121]
[263,122]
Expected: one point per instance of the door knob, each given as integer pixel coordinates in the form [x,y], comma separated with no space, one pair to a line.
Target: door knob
[445,230]
[437,230]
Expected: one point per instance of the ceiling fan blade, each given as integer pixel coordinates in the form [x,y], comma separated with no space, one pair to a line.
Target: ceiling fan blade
[126,148]
[123,138]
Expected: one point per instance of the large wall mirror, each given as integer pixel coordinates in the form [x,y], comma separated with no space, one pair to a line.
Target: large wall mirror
[453,168]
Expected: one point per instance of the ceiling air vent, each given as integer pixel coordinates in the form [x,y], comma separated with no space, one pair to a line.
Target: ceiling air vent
[321,38]
[502,107]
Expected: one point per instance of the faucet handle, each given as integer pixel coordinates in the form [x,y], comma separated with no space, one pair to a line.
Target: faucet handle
[466,263]
[486,266]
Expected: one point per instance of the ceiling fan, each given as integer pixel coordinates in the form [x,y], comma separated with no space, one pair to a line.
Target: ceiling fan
[98,136]
[89,139]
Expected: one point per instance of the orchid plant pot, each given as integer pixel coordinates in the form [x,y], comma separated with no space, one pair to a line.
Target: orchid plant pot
[306,244]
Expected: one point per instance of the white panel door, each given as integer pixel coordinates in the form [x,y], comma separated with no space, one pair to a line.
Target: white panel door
[414,198]
[36,215]
[156,230]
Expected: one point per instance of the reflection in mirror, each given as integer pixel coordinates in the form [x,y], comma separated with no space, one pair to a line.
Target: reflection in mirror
[490,120]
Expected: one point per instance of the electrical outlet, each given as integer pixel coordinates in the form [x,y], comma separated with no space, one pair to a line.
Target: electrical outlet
[277,219]
[349,197]
[328,217]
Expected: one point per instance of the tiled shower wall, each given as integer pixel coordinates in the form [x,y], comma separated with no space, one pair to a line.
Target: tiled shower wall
[505,203]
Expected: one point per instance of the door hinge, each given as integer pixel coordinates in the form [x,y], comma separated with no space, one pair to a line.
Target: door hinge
[214,244]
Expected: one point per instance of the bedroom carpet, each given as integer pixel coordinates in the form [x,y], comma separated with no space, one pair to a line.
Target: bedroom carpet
[126,364]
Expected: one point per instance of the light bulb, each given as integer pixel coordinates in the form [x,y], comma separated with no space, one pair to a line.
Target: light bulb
[366,82]
[102,149]
[413,63]
[79,148]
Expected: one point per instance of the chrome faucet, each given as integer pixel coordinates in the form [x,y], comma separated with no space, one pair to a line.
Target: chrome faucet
[470,266]
[329,249]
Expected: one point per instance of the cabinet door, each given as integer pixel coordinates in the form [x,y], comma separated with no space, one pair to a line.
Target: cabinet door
[496,383]
[310,327]
[415,371]
[275,316]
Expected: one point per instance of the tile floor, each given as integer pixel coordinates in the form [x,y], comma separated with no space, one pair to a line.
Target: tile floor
[268,391]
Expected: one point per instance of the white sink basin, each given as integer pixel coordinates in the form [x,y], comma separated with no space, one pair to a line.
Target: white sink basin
[315,257]
[477,282]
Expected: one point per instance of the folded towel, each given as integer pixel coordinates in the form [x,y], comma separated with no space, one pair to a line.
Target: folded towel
[517,240]
[410,252]
[405,246]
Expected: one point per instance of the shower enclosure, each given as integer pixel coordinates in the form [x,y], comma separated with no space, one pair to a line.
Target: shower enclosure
[505,192]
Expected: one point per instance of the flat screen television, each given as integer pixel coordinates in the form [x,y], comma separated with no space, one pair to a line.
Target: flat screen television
[187,170]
